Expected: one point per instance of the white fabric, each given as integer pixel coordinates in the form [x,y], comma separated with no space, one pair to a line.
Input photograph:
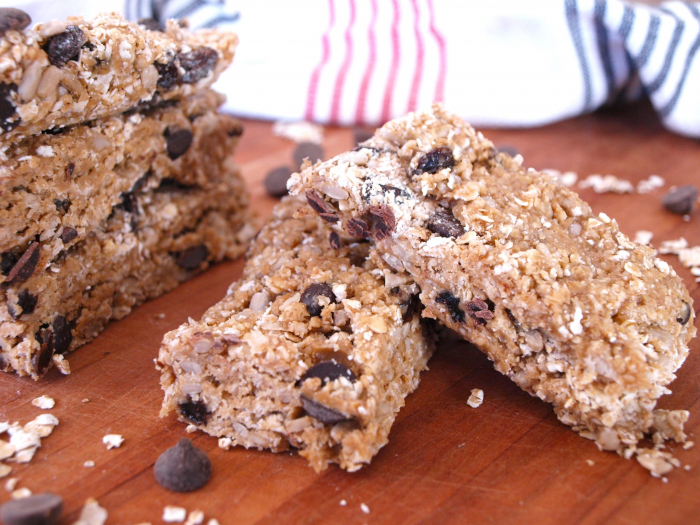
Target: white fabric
[495,62]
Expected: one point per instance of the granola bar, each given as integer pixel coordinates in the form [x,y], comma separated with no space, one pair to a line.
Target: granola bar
[559,299]
[53,302]
[63,73]
[58,188]
[314,348]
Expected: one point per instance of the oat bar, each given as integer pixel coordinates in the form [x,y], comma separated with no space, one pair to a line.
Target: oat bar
[314,348]
[63,73]
[161,235]
[561,300]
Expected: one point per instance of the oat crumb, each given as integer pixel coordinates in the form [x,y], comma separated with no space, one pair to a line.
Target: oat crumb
[196,517]
[86,400]
[89,464]
[22,493]
[92,514]
[643,237]
[300,131]
[44,402]
[172,514]
[213,521]
[160,316]
[476,398]
[364,508]
[590,462]
[61,364]
[4,470]
[688,445]
[687,467]
[343,502]
[10,484]
[190,429]
[113,441]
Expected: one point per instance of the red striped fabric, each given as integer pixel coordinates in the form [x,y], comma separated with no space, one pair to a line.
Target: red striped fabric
[313,82]
[369,69]
[395,58]
[418,72]
[442,71]
[343,71]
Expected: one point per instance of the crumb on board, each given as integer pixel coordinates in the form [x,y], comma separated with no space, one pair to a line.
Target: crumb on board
[11,484]
[196,517]
[607,184]
[650,184]
[343,503]
[190,429]
[92,514]
[61,363]
[173,514]
[643,237]
[22,493]
[44,402]
[590,462]
[89,464]
[476,398]
[364,508]
[300,131]
[113,441]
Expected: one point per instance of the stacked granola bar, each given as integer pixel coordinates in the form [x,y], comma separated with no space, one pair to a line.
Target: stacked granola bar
[116,178]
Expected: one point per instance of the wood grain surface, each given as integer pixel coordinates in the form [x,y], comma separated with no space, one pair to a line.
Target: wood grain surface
[508,461]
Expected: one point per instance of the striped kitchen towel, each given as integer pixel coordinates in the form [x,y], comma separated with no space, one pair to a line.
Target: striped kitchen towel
[494,62]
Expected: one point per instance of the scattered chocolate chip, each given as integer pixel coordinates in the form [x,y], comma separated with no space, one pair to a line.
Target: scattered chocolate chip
[681,200]
[276,181]
[128,202]
[192,258]
[334,240]
[479,310]
[151,24]
[11,18]
[320,206]
[358,228]
[684,316]
[42,359]
[362,135]
[383,221]
[168,184]
[323,414]
[70,169]
[7,107]
[62,205]
[309,150]
[68,234]
[445,224]
[37,509]
[65,46]
[310,297]
[178,142]
[141,182]
[62,335]
[195,412]
[182,468]
[329,371]
[27,301]
[509,150]
[452,304]
[25,266]
[197,64]
[7,261]
[168,74]
[436,160]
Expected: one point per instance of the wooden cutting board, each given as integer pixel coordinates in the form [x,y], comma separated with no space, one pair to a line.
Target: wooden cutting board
[508,461]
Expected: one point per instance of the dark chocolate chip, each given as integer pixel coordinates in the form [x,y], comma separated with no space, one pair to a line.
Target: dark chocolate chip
[310,297]
[452,304]
[334,241]
[9,119]
[513,320]
[684,315]
[383,221]
[62,335]
[68,234]
[323,414]
[141,182]
[409,307]
[362,135]
[479,310]
[55,131]
[11,18]
[509,150]
[192,258]
[25,266]
[445,224]
[42,359]
[320,206]
[168,184]
[681,200]
[37,509]
[182,468]
[65,46]
[436,160]
[7,261]
[168,74]
[329,371]
[178,142]
[62,205]
[151,24]
[398,192]
[27,301]
[197,64]
[196,412]
[357,227]
[128,202]
[309,150]
[70,169]
[276,181]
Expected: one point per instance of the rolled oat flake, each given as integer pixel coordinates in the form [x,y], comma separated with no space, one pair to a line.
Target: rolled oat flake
[39,509]
[183,468]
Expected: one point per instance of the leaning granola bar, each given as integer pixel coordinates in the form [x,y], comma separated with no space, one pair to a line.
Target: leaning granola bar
[314,348]
[561,300]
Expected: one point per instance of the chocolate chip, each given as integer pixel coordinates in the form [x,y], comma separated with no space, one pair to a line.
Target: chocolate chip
[445,224]
[452,304]
[320,206]
[7,261]
[62,205]
[27,301]
[168,74]
[9,119]
[383,221]
[42,359]
[25,266]
[334,241]
[436,160]
[11,18]
[178,142]
[195,412]
[409,306]
[62,335]
[509,150]
[192,258]
[37,509]
[168,185]
[55,131]
[65,46]
[151,24]
[70,169]
[681,200]
[358,228]
[141,182]
[323,414]
[362,135]
[276,181]
[182,468]
[310,297]
[197,64]
[68,234]
[479,310]
[309,150]
[684,315]
[329,371]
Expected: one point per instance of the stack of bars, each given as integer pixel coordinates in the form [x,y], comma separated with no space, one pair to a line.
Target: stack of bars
[116,177]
